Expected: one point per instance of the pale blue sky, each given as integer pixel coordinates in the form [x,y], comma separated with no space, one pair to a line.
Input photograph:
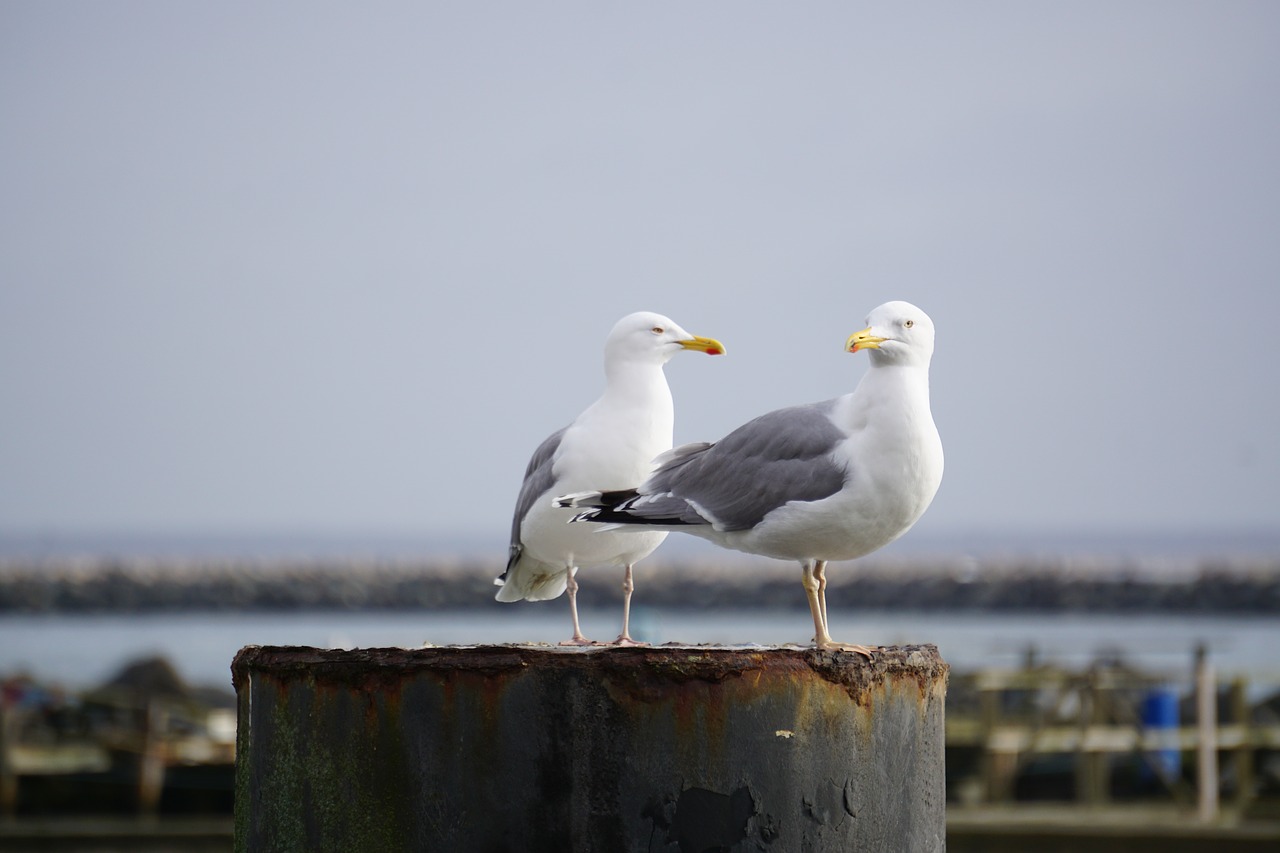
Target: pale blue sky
[338,268]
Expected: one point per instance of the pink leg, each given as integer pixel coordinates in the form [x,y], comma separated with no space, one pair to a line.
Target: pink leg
[814,588]
[820,572]
[571,587]
[628,586]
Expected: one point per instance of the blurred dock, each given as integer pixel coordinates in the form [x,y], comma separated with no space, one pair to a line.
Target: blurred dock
[1049,828]
[1111,733]
[143,743]
[1110,758]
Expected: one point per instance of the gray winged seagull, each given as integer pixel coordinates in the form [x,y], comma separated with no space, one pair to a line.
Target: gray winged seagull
[834,480]
[612,444]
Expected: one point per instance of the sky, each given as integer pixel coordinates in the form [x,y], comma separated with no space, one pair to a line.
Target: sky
[328,269]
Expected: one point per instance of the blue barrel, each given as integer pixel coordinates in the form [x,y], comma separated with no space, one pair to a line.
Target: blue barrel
[1160,715]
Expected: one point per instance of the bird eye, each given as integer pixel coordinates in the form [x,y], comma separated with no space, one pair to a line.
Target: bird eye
[657,330]
[909,323]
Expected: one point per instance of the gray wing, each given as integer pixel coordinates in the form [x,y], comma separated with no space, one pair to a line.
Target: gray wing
[778,457]
[538,478]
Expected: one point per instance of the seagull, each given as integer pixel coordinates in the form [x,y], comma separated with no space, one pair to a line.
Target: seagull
[834,480]
[611,444]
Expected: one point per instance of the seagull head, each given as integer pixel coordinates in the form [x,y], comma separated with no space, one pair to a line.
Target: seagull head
[648,337]
[896,333]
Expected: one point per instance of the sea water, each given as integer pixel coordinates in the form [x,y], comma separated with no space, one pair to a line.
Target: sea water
[77,651]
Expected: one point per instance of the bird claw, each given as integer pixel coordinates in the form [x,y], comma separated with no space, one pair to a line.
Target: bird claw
[865,651]
[624,640]
[580,641]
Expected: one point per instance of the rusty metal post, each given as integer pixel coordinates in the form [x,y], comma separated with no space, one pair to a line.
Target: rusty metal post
[533,748]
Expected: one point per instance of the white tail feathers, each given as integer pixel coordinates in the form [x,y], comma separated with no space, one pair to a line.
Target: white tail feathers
[532,580]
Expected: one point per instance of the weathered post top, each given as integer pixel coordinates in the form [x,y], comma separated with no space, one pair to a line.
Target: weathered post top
[676,748]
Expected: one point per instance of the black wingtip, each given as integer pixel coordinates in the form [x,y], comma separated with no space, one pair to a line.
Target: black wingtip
[609,515]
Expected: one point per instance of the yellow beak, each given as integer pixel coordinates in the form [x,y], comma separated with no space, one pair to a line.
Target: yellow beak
[863,340]
[708,345]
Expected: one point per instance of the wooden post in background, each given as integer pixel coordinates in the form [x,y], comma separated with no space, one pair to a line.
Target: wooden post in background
[1207,736]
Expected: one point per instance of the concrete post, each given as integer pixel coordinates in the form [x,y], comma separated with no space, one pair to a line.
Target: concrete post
[533,748]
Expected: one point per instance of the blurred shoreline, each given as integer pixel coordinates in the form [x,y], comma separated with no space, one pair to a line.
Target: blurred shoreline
[1164,585]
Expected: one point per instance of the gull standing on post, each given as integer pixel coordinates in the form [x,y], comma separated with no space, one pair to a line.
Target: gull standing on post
[828,481]
[612,445]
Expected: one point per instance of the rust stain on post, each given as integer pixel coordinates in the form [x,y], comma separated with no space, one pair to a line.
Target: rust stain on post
[537,748]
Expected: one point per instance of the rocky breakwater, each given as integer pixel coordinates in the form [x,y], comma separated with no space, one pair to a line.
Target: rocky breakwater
[1246,586]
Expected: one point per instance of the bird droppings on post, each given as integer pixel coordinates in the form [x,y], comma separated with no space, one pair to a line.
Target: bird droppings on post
[541,748]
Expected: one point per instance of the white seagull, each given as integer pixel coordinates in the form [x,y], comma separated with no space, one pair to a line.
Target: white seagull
[827,481]
[612,445]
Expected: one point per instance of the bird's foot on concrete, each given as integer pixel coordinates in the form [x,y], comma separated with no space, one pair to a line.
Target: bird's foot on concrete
[579,640]
[625,640]
[831,646]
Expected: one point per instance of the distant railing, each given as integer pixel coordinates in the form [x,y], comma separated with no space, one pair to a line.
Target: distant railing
[1015,718]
